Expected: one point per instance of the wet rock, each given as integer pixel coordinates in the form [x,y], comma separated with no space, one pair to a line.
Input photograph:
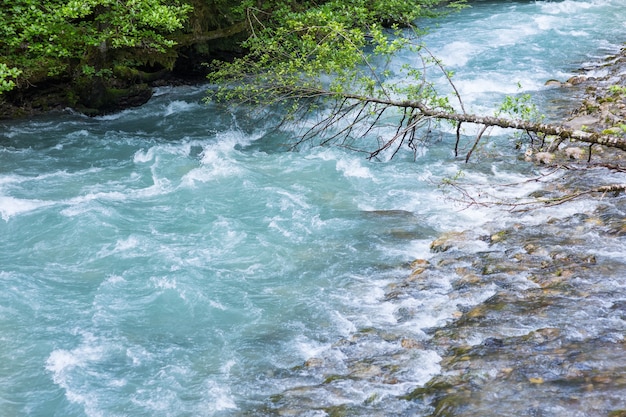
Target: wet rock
[404,314]
[577,123]
[314,363]
[365,371]
[498,237]
[466,280]
[576,79]
[447,241]
[407,343]
[553,83]
[419,263]
[574,152]
[545,158]
[493,342]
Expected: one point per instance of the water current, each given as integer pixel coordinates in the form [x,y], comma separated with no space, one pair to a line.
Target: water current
[176,260]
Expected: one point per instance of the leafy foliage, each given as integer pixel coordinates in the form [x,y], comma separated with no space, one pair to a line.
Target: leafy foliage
[300,51]
[521,107]
[41,39]
[6,77]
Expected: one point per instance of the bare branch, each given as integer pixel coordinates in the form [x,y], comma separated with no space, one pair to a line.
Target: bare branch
[535,127]
[478,136]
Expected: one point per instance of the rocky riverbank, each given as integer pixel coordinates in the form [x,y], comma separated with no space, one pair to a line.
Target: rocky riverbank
[550,340]
[555,326]
[603,106]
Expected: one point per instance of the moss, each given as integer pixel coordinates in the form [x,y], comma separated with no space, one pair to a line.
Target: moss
[332,378]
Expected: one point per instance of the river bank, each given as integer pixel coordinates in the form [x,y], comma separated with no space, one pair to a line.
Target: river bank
[538,265]
[518,340]
[603,104]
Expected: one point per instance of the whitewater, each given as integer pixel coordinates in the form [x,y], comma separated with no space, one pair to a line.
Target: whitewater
[176,260]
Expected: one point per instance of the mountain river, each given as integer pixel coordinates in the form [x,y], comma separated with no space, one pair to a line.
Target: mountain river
[176,260]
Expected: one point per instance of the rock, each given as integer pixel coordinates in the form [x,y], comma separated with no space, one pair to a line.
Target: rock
[497,237]
[528,155]
[544,157]
[553,83]
[493,342]
[314,362]
[411,344]
[365,371]
[576,79]
[419,263]
[577,123]
[446,241]
[574,152]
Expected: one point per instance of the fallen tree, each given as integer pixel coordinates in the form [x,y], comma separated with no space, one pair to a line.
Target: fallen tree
[416,113]
[333,59]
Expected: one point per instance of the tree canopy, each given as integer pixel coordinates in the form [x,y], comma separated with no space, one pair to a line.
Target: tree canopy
[42,39]
[82,40]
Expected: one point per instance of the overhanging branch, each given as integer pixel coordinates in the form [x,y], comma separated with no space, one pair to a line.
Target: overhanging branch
[543,128]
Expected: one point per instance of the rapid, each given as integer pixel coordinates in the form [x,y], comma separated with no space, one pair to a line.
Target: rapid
[176,260]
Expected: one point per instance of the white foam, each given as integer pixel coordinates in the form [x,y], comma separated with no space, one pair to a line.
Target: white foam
[179,106]
[545,22]
[565,7]
[164,283]
[578,33]
[123,245]
[219,396]
[81,133]
[217,305]
[353,168]
[114,279]
[82,204]
[458,53]
[143,156]
[11,206]
[62,364]
[512,36]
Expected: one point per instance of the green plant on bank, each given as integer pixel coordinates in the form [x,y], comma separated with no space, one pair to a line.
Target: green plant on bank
[60,38]
[617,90]
[334,57]
[618,129]
[521,107]
[8,77]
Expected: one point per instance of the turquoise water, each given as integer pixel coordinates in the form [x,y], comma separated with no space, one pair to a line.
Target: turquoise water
[175,260]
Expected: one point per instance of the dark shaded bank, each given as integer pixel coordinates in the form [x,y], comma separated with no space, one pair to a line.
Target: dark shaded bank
[92,97]
[127,87]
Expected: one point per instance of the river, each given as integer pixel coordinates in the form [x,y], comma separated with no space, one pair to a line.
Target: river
[176,260]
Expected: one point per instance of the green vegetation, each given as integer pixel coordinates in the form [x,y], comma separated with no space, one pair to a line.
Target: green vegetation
[337,54]
[53,38]
[7,77]
[94,45]
[328,48]
[98,55]
[334,58]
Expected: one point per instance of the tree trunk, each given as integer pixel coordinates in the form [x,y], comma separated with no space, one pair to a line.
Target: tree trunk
[548,129]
